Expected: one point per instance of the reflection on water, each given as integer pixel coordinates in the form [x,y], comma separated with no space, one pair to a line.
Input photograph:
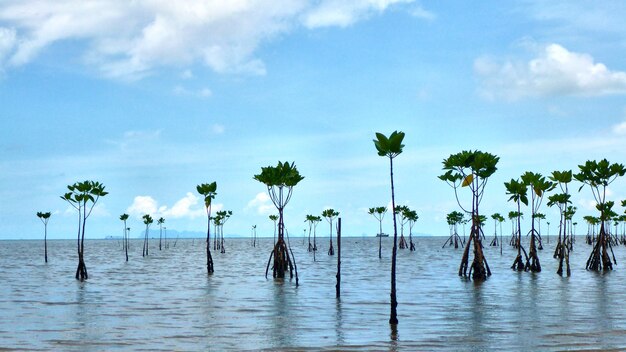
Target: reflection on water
[167,301]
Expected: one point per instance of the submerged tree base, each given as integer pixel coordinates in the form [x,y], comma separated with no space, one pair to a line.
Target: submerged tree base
[282,261]
[455,240]
[563,256]
[209,262]
[599,258]
[81,271]
[480,268]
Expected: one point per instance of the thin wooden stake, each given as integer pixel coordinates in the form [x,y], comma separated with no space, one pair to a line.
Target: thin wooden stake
[338,285]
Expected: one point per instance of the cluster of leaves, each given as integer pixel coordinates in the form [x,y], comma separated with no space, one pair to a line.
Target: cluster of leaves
[147,219]
[43,216]
[469,169]
[330,214]
[208,190]
[468,165]
[497,217]
[378,212]
[598,175]
[389,146]
[454,218]
[83,192]
[281,175]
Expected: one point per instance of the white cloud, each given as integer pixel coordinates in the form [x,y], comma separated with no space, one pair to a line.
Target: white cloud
[620,128]
[344,13]
[142,205]
[201,93]
[189,207]
[421,13]
[262,204]
[7,43]
[130,39]
[556,71]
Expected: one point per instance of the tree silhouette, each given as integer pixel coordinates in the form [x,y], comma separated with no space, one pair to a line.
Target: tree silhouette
[280,180]
[147,220]
[330,214]
[208,190]
[160,223]
[471,169]
[598,176]
[379,214]
[391,147]
[44,217]
[83,197]
[124,217]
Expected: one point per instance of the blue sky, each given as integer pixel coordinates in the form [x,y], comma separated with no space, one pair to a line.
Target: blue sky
[152,98]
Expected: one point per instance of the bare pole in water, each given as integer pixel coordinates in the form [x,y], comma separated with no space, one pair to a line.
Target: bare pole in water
[338,285]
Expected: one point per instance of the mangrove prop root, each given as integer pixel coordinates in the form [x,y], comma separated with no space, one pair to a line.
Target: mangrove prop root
[282,260]
[403,244]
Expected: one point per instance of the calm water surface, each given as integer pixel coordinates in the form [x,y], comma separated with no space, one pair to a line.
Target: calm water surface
[167,302]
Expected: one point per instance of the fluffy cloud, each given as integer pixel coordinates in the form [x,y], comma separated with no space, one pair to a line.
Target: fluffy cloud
[262,204]
[129,39]
[556,71]
[7,42]
[343,13]
[189,206]
[620,128]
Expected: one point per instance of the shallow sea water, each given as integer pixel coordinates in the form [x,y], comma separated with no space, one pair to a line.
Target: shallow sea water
[167,302]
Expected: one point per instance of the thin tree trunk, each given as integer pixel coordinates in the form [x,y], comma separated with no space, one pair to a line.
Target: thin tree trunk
[45,242]
[338,285]
[393,317]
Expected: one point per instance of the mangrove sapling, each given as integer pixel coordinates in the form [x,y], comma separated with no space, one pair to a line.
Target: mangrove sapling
[518,193]
[44,217]
[253,235]
[592,223]
[124,217]
[379,214]
[79,196]
[471,169]
[401,211]
[330,214]
[217,221]
[412,217]
[274,219]
[311,219]
[515,230]
[454,218]
[562,201]
[391,147]
[561,252]
[223,217]
[147,220]
[538,186]
[316,221]
[280,180]
[494,242]
[208,190]
[539,217]
[160,223]
[598,176]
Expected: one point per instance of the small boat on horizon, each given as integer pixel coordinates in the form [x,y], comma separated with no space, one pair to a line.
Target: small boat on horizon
[382,235]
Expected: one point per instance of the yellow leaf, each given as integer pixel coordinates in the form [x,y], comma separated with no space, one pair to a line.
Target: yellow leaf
[538,192]
[468,180]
